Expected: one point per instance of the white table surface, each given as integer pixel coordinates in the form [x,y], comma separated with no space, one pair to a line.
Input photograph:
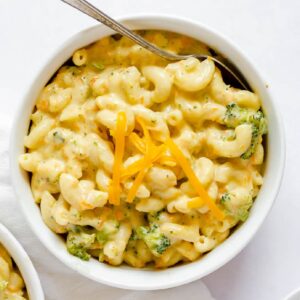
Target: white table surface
[269,33]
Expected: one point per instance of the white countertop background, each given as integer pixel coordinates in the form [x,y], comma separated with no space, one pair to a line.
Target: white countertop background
[269,33]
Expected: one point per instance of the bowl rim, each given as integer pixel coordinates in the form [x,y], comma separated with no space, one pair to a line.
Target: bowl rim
[237,243]
[24,263]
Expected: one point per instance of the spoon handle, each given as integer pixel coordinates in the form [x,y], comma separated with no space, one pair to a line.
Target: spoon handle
[90,10]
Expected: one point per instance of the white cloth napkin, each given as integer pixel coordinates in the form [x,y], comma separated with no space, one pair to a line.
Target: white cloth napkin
[60,282]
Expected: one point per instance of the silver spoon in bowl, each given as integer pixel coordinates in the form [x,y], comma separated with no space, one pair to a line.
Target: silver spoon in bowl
[90,10]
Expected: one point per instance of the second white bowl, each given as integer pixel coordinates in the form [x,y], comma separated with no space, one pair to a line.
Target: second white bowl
[23,262]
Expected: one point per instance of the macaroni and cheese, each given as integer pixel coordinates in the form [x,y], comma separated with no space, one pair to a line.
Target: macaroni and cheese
[11,282]
[138,160]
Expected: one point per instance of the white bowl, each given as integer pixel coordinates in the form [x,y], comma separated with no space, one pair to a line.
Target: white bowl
[124,276]
[22,260]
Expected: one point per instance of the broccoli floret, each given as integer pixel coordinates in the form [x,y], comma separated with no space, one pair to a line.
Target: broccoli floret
[156,241]
[259,128]
[79,242]
[236,115]
[238,208]
[109,227]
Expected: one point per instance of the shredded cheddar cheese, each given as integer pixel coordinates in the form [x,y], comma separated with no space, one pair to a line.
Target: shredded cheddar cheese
[147,163]
[152,154]
[137,182]
[134,168]
[137,142]
[142,146]
[193,179]
[195,202]
[167,160]
[115,188]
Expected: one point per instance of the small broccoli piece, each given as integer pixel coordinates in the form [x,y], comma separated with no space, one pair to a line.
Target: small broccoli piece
[101,256]
[109,228]
[259,128]
[238,208]
[153,217]
[225,197]
[79,242]
[243,214]
[255,140]
[3,285]
[236,115]
[133,236]
[156,241]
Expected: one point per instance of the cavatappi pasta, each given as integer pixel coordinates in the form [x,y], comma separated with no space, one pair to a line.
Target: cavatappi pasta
[135,159]
[12,286]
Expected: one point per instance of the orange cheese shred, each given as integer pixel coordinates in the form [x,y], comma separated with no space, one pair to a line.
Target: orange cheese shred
[137,182]
[195,202]
[115,188]
[182,161]
[149,159]
[167,160]
[147,163]
[143,162]
[152,153]
[157,152]
[138,142]
[134,168]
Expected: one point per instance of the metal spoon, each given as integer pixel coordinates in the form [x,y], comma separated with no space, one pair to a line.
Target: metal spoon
[90,10]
